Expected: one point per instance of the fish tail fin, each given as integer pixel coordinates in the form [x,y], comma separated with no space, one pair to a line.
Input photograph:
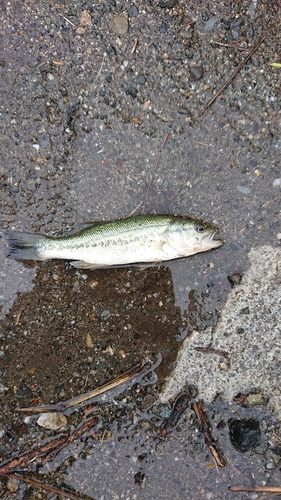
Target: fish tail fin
[24,245]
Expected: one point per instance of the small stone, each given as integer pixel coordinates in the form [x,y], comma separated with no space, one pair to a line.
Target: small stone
[52,421]
[244,434]
[211,22]
[224,366]
[245,310]
[36,146]
[164,411]
[254,399]
[141,80]
[105,314]
[277,182]
[133,11]
[13,485]
[278,236]
[50,77]
[132,92]
[234,279]
[85,18]
[183,111]
[48,219]
[243,189]
[89,342]
[120,24]
[270,465]
[93,283]
[261,448]
[81,30]
[196,73]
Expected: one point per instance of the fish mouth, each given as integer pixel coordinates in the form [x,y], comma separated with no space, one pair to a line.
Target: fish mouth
[214,242]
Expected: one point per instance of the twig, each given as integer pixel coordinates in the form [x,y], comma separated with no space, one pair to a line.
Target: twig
[41,485]
[31,454]
[154,170]
[50,450]
[257,489]
[17,320]
[135,209]
[262,38]
[212,351]
[134,46]
[140,368]
[230,45]
[186,25]
[205,427]
[87,377]
[88,424]
[101,66]
[203,143]
[65,18]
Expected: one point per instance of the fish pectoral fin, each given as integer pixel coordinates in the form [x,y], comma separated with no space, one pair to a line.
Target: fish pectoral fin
[80,264]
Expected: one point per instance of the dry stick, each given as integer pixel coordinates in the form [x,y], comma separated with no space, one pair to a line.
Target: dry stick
[51,448]
[125,377]
[39,484]
[65,18]
[205,426]
[75,435]
[268,497]
[29,455]
[17,320]
[230,45]
[237,70]
[257,489]
[154,170]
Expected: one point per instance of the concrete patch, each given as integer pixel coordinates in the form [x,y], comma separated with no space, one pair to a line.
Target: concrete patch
[249,329]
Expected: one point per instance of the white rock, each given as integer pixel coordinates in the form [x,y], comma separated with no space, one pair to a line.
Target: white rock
[52,421]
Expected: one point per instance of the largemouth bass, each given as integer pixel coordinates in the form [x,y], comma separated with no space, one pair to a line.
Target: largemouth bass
[140,239]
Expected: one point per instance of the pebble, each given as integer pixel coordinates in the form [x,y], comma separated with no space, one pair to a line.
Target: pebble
[277,182]
[270,465]
[13,485]
[211,22]
[105,314]
[52,421]
[50,77]
[85,18]
[36,146]
[120,24]
[278,236]
[48,219]
[89,342]
[196,73]
[141,80]
[254,399]
[244,434]
[243,189]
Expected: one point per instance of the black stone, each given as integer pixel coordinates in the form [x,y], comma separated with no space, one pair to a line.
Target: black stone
[132,92]
[244,434]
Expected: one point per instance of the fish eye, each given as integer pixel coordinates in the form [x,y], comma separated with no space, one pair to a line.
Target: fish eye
[199,228]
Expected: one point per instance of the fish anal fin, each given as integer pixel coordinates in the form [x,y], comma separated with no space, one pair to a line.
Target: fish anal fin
[80,264]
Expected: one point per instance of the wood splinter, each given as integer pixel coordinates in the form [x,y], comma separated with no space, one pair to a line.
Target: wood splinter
[206,429]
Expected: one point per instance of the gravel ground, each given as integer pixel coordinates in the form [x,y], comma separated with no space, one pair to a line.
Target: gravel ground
[89,93]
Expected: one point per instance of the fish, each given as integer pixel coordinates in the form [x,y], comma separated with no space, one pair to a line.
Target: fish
[139,239]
